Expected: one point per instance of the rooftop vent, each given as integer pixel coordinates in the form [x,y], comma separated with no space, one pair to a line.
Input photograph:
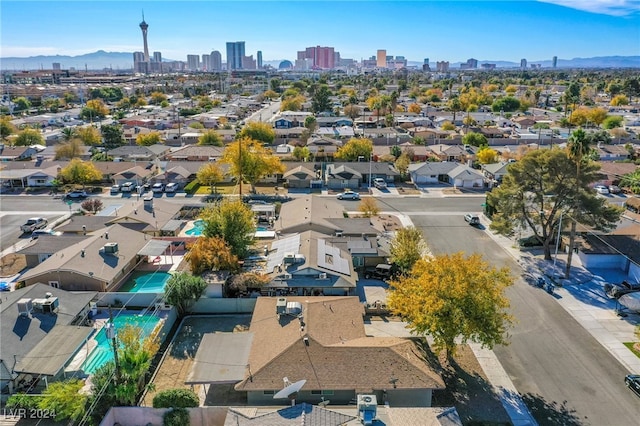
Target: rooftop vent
[25,306]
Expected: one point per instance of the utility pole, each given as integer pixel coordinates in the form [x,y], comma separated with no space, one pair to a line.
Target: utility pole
[111,334]
[240,165]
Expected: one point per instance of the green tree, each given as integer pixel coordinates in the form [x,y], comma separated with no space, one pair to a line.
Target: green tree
[354,149]
[505,104]
[68,133]
[211,137]
[72,149]
[28,137]
[249,160]
[612,122]
[311,123]
[64,399]
[258,131]
[21,104]
[231,220]
[6,127]
[209,174]
[454,298]
[396,151]
[321,101]
[541,187]
[80,172]
[176,398]
[94,110]
[183,290]
[148,139]
[475,139]
[112,134]
[454,105]
[301,153]
[407,247]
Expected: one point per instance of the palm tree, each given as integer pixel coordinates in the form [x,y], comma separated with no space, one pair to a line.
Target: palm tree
[578,146]
[68,133]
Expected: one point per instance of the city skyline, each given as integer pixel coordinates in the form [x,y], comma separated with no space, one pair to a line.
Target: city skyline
[440,30]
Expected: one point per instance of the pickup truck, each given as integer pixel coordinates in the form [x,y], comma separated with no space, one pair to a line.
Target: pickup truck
[381,271]
[34,223]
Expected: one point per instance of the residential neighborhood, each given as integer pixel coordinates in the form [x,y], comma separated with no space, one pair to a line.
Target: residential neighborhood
[274,224]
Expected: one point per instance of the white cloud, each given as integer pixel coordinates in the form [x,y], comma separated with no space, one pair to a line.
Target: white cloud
[603,7]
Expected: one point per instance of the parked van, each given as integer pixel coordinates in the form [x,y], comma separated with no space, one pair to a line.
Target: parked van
[127,187]
[171,187]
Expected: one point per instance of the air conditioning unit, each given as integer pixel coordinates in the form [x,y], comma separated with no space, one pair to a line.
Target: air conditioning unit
[367,409]
[163,306]
[111,248]
[322,276]
[287,276]
[281,306]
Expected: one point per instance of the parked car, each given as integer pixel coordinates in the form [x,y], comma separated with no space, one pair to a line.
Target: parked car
[633,382]
[128,187]
[348,195]
[34,223]
[614,189]
[472,219]
[115,189]
[379,183]
[601,189]
[171,187]
[157,187]
[381,271]
[77,194]
[35,234]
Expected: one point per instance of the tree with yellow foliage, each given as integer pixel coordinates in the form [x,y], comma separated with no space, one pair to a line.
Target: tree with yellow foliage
[415,108]
[453,297]
[407,247]
[81,172]
[209,174]
[211,253]
[249,160]
[258,131]
[95,110]
[89,135]
[148,139]
[369,207]
[354,149]
[619,100]
[487,155]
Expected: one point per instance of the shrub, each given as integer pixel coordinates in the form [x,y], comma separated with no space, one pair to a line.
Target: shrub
[176,417]
[24,401]
[192,187]
[176,398]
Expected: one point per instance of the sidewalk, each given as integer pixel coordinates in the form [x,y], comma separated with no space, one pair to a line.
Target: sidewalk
[583,297]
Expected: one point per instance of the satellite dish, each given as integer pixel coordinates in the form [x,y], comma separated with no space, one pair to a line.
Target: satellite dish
[290,389]
[323,403]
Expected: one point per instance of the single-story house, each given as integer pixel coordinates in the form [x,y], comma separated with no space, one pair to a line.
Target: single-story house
[16,153]
[322,340]
[34,321]
[309,213]
[495,171]
[445,172]
[341,175]
[620,252]
[138,152]
[196,153]
[302,177]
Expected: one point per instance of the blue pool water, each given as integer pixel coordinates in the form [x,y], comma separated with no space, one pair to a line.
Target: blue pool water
[146,282]
[196,231]
[103,352]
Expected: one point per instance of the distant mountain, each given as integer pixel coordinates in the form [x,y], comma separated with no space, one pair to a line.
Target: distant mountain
[124,61]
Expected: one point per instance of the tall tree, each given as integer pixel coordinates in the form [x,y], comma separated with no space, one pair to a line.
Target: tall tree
[407,247]
[454,299]
[89,135]
[68,133]
[6,127]
[539,189]
[183,290]
[231,220]
[80,172]
[248,159]
[321,101]
[112,135]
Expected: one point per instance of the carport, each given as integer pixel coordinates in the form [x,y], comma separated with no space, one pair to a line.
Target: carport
[222,358]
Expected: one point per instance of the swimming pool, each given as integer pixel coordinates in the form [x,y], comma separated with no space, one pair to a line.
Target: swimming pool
[196,231]
[103,352]
[145,282]
[198,228]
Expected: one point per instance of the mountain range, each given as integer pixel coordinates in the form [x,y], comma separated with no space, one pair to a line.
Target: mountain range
[124,61]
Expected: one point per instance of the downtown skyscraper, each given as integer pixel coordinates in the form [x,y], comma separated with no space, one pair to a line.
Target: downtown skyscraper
[235,55]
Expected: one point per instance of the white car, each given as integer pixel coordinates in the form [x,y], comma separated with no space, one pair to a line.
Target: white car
[601,189]
[171,187]
[379,183]
[157,187]
[348,195]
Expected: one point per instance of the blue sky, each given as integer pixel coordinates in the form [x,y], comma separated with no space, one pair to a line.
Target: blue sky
[438,30]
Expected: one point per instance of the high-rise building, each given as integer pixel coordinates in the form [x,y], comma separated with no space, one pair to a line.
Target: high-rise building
[216,61]
[554,62]
[157,57]
[193,62]
[235,53]
[144,26]
[206,62]
[259,56]
[139,65]
[523,63]
[381,58]
[248,63]
[56,66]
[321,57]
[471,64]
[442,66]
